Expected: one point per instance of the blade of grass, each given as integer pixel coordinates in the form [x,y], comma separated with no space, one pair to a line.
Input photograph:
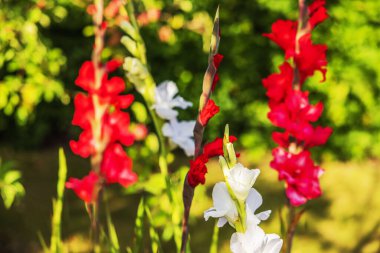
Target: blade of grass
[45,248]
[55,240]
[155,239]
[112,235]
[139,227]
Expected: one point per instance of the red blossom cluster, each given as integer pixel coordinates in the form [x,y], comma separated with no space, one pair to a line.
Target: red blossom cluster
[198,167]
[290,108]
[105,129]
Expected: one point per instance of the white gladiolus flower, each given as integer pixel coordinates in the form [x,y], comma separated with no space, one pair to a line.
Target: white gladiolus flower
[181,133]
[254,240]
[165,100]
[241,180]
[225,208]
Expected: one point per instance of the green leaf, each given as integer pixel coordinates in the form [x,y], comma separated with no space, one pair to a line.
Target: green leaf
[10,186]
[139,227]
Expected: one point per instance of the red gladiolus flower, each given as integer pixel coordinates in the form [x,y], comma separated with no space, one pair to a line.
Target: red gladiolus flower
[198,168]
[215,148]
[117,166]
[208,112]
[278,85]
[300,174]
[197,171]
[85,188]
[311,58]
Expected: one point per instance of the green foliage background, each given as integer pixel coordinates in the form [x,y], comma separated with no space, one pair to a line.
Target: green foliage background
[39,65]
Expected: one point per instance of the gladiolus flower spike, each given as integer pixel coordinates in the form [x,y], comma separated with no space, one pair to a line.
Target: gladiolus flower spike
[99,112]
[290,108]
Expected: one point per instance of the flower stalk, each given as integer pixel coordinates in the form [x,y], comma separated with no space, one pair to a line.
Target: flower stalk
[207,88]
[98,113]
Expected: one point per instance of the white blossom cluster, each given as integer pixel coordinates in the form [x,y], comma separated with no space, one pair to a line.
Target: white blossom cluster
[179,132]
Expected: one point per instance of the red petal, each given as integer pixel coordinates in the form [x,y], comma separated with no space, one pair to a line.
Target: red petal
[85,187]
[124,101]
[113,64]
[284,35]
[84,111]
[215,81]
[215,148]
[317,12]
[208,112]
[217,60]
[311,58]
[84,147]
[279,84]
[86,76]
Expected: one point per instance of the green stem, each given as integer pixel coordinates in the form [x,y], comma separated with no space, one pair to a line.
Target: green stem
[148,98]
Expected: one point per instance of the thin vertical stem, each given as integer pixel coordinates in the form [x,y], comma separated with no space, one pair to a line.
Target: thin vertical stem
[98,111]
[294,217]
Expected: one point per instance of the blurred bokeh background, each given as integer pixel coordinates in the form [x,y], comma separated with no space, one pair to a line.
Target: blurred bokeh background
[44,42]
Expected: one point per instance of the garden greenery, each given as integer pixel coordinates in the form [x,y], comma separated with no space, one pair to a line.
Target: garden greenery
[150,108]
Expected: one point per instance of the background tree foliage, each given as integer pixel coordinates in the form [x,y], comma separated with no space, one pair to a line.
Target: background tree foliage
[36,47]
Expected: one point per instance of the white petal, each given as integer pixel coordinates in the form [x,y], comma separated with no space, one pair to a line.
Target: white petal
[273,244]
[171,89]
[187,145]
[166,90]
[264,215]
[167,130]
[235,244]
[221,222]
[186,128]
[180,102]
[212,212]
[166,113]
[181,133]
[249,242]
[222,200]
[165,100]
[254,200]
[252,219]
[224,207]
